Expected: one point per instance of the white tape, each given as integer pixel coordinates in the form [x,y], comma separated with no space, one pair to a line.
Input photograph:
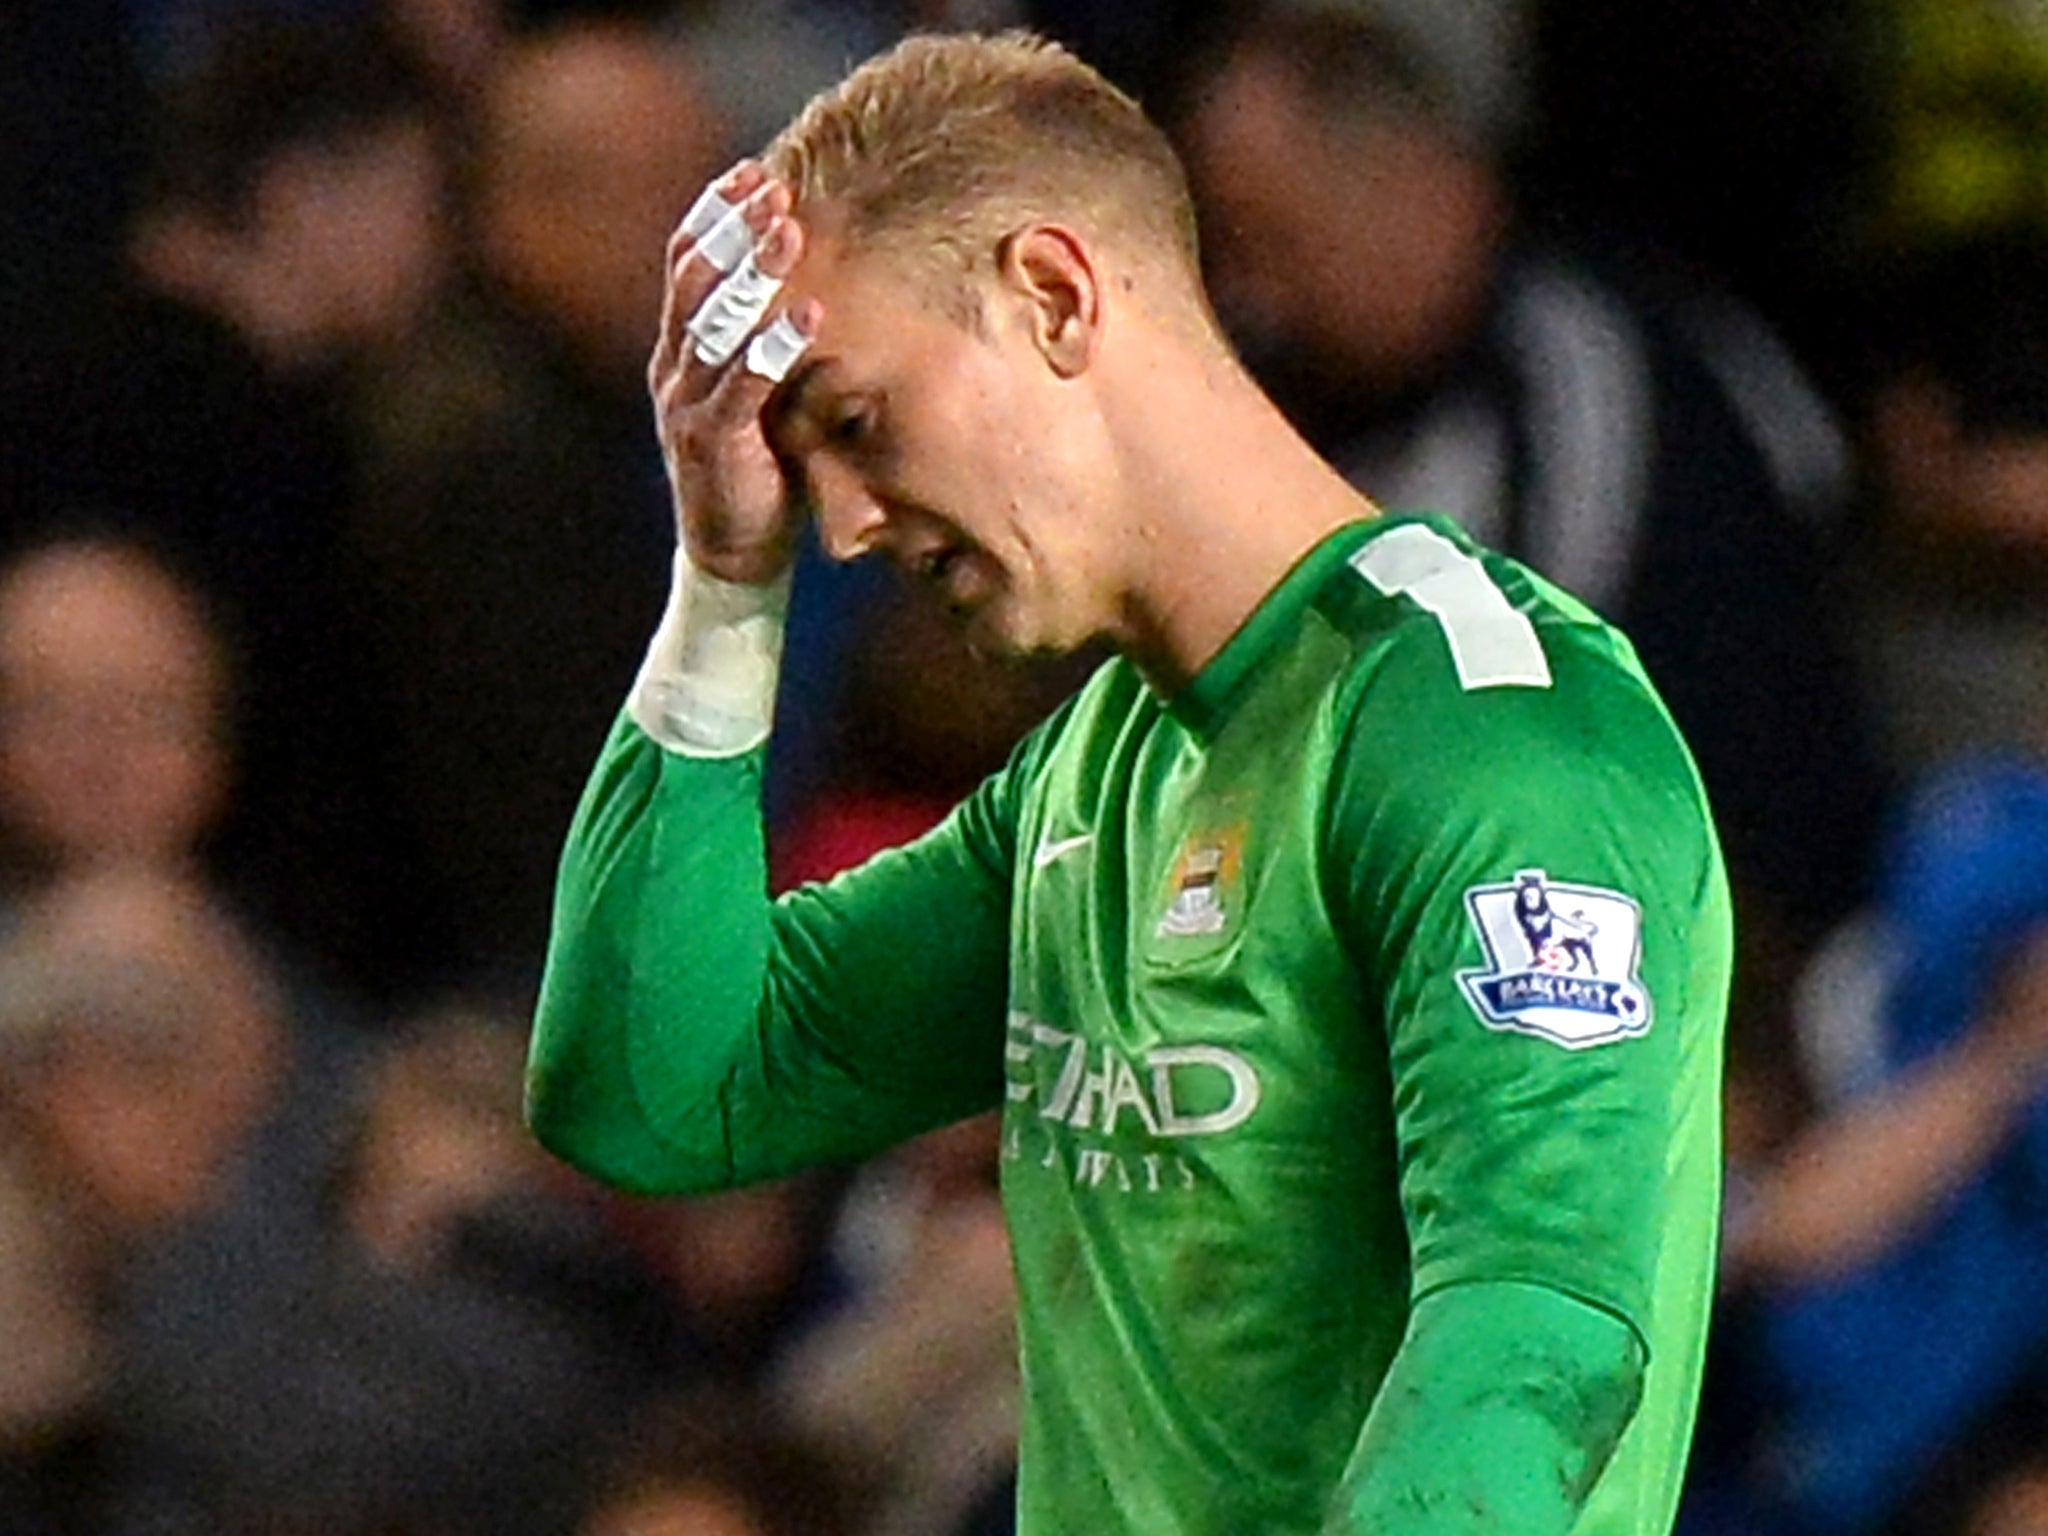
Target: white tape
[709,211]
[728,242]
[707,687]
[774,351]
[734,308]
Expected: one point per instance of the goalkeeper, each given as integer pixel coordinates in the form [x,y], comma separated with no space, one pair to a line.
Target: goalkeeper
[1345,1195]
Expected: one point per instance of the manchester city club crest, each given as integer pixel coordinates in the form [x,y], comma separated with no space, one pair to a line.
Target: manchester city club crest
[1203,882]
[1561,961]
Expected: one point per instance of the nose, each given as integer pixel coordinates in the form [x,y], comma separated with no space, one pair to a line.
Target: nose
[850,518]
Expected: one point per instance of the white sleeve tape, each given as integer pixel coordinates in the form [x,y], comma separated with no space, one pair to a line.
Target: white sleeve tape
[734,308]
[775,349]
[709,211]
[728,242]
[707,687]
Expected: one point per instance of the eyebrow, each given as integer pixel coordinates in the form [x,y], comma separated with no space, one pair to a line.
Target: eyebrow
[794,396]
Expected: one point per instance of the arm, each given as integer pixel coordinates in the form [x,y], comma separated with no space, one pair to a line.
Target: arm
[1559,1167]
[1862,1179]
[691,1034]
[1504,1405]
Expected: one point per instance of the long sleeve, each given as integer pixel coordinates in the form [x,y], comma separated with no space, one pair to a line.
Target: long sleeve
[1541,914]
[1505,1403]
[692,1034]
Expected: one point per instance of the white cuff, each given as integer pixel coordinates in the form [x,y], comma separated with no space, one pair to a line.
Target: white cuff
[707,687]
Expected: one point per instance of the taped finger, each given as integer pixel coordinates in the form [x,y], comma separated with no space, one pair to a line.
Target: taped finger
[722,322]
[728,242]
[709,211]
[774,351]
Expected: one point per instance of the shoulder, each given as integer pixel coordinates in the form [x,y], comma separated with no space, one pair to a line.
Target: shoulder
[1486,722]
[1454,644]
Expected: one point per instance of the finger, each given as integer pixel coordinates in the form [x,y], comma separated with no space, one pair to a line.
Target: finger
[712,206]
[775,349]
[691,276]
[721,197]
[743,393]
[728,242]
[698,280]
[721,324]
[738,232]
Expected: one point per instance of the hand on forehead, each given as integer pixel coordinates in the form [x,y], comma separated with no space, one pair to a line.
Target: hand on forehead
[732,253]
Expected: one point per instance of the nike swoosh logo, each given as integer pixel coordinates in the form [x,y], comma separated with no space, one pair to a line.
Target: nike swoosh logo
[1052,852]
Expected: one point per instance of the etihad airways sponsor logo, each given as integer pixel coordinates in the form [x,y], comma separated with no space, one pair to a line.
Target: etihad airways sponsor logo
[1171,1091]
[1053,1150]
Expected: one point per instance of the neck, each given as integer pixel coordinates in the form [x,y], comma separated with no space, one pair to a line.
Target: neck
[1223,497]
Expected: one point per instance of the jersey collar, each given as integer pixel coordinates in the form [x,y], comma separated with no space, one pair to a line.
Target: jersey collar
[1203,705]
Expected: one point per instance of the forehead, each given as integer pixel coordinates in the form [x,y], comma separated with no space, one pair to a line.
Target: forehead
[851,278]
[879,304]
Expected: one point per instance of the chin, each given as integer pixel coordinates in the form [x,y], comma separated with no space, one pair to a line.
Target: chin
[986,634]
[997,629]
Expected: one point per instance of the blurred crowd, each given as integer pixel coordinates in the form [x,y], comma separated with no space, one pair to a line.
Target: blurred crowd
[332,529]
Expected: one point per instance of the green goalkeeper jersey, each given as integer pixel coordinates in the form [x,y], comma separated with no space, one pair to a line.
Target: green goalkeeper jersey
[1385,964]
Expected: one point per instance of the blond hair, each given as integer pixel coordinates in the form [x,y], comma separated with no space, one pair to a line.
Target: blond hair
[945,143]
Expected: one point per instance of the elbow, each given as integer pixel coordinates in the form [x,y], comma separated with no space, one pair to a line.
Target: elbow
[573,1119]
[547,1121]
[610,1141]
[1613,1392]
[1570,1372]
[1590,1397]
[578,1100]
[628,1164]
[552,1120]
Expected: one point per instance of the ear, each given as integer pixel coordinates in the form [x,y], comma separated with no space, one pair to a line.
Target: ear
[1055,272]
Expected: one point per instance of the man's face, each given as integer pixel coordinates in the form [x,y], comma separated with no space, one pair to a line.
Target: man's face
[111,697]
[954,448]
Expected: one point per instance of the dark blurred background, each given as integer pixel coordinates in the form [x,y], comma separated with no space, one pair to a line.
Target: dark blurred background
[332,529]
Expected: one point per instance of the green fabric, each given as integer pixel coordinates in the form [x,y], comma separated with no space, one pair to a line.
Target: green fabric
[692,1036]
[1503,1407]
[1221,963]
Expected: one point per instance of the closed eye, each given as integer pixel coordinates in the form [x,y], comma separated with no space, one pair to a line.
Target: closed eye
[852,429]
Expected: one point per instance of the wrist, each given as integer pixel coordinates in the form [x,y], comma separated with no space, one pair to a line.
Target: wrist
[765,565]
[707,686]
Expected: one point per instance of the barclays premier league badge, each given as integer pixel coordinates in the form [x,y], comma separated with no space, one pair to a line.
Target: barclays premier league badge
[1560,961]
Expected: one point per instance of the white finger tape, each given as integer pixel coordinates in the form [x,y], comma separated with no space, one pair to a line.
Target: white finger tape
[735,307]
[729,242]
[774,351]
[707,213]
